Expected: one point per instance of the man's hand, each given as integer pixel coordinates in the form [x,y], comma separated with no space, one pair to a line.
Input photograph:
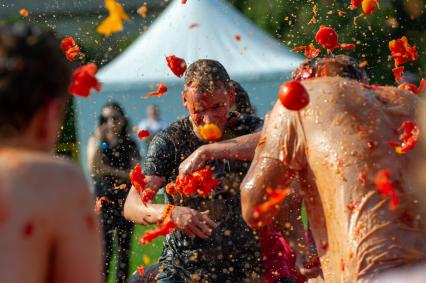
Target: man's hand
[193,222]
[196,161]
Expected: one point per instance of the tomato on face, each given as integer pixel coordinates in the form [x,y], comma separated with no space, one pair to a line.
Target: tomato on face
[210,132]
[327,37]
[293,95]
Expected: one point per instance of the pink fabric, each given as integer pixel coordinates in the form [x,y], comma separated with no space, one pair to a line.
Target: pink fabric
[279,260]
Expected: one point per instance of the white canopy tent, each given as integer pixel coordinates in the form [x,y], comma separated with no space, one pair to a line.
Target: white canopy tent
[257,61]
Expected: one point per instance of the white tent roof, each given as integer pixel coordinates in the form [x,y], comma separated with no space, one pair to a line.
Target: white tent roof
[255,55]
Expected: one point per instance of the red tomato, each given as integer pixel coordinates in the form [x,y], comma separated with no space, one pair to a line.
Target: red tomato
[177,65]
[143,134]
[327,37]
[293,95]
[355,4]
[368,6]
[83,80]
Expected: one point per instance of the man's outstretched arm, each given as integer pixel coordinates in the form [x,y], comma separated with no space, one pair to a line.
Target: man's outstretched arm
[240,148]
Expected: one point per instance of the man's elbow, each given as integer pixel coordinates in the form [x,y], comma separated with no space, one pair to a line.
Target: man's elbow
[247,206]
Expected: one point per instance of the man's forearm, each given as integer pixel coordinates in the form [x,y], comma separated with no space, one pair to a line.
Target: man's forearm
[240,148]
[137,212]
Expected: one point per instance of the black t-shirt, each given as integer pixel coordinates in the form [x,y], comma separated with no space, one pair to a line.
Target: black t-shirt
[232,251]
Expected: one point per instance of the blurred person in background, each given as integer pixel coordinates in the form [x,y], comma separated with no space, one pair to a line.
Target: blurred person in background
[111,155]
[48,230]
[153,123]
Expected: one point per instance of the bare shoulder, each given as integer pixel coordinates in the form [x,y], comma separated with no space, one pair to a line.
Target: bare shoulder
[38,171]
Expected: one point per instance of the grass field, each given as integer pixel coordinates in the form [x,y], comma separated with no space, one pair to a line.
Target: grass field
[140,255]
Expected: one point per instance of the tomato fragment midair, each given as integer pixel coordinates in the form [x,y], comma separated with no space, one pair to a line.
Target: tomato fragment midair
[268,209]
[402,52]
[161,230]
[293,95]
[143,134]
[70,48]
[83,80]
[177,65]
[409,137]
[161,90]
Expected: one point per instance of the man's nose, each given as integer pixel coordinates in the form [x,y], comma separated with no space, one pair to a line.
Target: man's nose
[207,119]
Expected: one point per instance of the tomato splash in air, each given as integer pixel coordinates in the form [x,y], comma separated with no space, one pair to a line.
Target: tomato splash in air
[409,136]
[210,132]
[137,178]
[194,25]
[270,207]
[24,13]
[99,201]
[70,48]
[143,134]
[114,22]
[200,181]
[161,230]
[413,88]
[355,4]
[177,65]
[347,46]
[161,90]
[309,50]
[293,95]
[83,80]
[143,10]
[184,1]
[402,52]
[384,185]
[141,270]
[397,73]
[238,37]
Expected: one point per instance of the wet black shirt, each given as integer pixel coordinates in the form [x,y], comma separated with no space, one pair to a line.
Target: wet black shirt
[232,252]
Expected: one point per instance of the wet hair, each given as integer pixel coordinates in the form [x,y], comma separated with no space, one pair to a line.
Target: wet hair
[205,75]
[242,99]
[33,71]
[125,131]
[339,65]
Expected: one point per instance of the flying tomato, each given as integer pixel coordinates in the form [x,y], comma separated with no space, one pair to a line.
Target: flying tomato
[293,95]
[177,65]
[83,80]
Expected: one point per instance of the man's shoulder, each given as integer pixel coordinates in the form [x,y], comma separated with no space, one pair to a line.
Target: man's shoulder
[34,166]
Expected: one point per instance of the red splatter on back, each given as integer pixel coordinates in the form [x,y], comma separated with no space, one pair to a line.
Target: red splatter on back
[28,229]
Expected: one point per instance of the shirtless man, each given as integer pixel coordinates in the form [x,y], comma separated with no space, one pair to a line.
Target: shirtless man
[48,230]
[334,148]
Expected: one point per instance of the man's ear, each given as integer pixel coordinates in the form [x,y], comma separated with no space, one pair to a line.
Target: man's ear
[49,117]
[184,100]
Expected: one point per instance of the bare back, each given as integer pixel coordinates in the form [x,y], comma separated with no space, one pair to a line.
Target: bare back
[336,145]
[48,230]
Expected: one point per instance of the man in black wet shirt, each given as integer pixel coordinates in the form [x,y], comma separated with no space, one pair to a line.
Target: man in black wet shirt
[212,242]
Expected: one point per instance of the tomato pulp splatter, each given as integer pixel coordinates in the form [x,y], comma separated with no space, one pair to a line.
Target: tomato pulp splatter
[384,184]
[177,65]
[143,134]
[402,52]
[409,137]
[83,80]
[161,90]
[161,230]
[70,48]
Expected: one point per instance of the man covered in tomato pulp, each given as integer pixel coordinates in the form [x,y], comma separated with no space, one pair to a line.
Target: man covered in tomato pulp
[349,153]
[212,242]
[48,229]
